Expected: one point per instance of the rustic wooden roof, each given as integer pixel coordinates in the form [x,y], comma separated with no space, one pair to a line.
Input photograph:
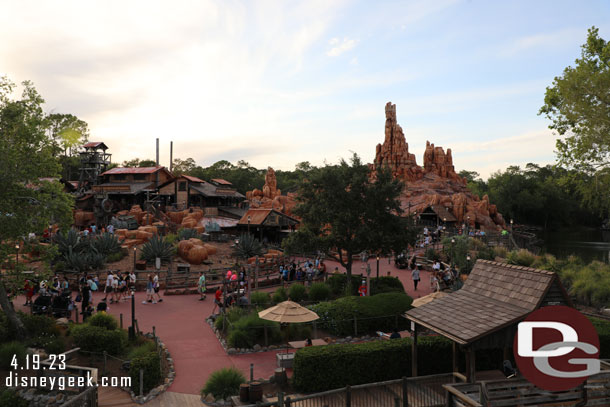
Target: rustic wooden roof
[443,213]
[494,296]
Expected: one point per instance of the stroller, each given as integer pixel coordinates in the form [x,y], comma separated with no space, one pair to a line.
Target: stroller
[62,305]
[42,305]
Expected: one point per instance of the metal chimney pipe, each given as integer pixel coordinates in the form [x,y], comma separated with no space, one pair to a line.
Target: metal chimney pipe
[171,156]
[157,152]
[157,177]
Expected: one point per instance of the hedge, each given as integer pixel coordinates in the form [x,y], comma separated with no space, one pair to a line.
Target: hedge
[151,363]
[384,284]
[381,312]
[103,320]
[603,331]
[98,339]
[321,368]
[249,330]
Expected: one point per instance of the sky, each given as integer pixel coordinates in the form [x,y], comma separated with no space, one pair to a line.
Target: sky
[276,83]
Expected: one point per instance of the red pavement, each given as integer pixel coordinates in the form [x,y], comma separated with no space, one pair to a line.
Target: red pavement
[180,323]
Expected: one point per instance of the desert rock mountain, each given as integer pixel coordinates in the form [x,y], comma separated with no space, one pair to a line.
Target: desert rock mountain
[436,183]
[271,197]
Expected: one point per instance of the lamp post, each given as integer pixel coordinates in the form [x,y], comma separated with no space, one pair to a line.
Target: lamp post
[17,258]
[132,328]
[468,262]
[452,251]
[249,219]
[510,243]
[135,249]
[377,281]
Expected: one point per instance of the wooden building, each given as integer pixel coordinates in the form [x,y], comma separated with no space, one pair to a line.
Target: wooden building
[269,224]
[484,314]
[186,191]
[435,215]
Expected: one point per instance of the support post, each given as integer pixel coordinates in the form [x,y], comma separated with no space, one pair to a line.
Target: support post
[256,274]
[266,335]
[470,365]
[141,382]
[405,393]
[348,396]
[414,350]
[121,320]
[315,330]
[251,372]
[455,357]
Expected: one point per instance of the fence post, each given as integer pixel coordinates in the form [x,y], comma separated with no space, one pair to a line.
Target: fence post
[287,404]
[256,274]
[355,326]
[76,312]
[405,393]
[280,399]
[348,396]
[251,372]
[141,382]
[121,318]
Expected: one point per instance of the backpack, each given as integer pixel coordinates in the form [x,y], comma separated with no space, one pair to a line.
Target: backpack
[93,286]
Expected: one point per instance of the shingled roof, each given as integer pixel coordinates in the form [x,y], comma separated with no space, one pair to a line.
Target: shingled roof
[495,296]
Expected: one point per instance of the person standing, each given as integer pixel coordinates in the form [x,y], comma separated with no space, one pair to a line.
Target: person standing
[108,287]
[415,277]
[85,299]
[201,286]
[156,286]
[149,291]
[132,282]
[217,300]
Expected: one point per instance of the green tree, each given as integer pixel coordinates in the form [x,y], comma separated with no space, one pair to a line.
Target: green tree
[183,166]
[344,212]
[578,105]
[136,162]
[27,204]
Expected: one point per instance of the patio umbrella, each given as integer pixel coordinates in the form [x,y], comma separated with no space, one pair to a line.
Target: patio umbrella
[428,298]
[288,311]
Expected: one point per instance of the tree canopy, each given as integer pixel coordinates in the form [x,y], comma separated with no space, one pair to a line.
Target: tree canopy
[31,200]
[578,105]
[343,213]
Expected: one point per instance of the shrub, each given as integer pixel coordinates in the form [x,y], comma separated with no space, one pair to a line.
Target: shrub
[603,331]
[107,244]
[386,284]
[9,398]
[251,330]
[432,254]
[39,325]
[10,349]
[247,246]
[521,257]
[171,238]
[186,234]
[55,345]
[98,339]
[157,247]
[381,312]
[338,284]
[500,251]
[297,293]
[103,320]
[151,364]
[279,295]
[260,298]
[294,332]
[319,292]
[142,350]
[224,383]
[458,251]
[233,314]
[114,257]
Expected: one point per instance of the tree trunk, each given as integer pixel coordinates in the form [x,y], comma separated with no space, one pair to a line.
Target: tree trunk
[12,316]
[348,273]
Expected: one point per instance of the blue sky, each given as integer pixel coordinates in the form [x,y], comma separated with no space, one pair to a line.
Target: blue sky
[276,83]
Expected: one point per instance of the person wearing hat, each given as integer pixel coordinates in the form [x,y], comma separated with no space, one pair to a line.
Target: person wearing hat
[362,289]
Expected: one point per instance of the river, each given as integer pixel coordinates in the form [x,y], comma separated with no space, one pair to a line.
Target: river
[587,243]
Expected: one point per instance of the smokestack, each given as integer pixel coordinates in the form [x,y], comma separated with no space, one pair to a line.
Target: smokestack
[157,152]
[171,156]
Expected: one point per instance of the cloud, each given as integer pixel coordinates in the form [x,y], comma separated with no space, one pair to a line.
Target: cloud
[340,46]
[542,41]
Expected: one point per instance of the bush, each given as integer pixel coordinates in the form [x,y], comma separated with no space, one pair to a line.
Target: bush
[233,314]
[142,350]
[386,284]
[186,234]
[157,247]
[603,331]
[103,320]
[260,299]
[98,339]
[151,364]
[521,257]
[114,257]
[279,295]
[39,325]
[9,398]
[251,331]
[10,349]
[319,292]
[171,238]
[224,383]
[381,312]
[297,293]
[55,346]
[338,285]
[296,332]
[500,251]
[432,254]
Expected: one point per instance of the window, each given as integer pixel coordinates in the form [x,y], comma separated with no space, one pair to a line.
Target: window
[139,177]
[120,177]
[182,186]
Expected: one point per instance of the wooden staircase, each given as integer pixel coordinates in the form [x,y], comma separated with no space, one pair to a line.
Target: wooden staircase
[113,397]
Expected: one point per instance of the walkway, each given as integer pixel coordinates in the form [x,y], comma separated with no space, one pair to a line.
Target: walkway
[180,323]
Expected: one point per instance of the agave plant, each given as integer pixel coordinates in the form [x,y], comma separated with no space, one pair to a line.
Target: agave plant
[75,261]
[157,247]
[68,241]
[247,246]
[106,244]
[186,234]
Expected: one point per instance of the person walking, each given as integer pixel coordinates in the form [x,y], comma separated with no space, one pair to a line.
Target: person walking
[415,277]
[217,300]
[149,291]
[108,287]
[156,286]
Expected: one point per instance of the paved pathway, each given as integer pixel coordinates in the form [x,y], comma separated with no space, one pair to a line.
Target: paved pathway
[180,323]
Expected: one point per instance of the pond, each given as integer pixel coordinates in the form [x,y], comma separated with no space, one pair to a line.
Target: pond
[587,243]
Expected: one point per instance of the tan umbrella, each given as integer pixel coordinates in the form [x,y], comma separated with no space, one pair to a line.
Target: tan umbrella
[288,311]
[428,298]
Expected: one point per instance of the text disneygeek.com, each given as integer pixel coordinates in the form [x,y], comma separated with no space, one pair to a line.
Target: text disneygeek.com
[63,382]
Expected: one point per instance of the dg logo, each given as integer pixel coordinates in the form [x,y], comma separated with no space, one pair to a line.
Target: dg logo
[556,348]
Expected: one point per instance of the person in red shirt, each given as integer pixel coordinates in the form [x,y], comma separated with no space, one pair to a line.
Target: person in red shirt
[362,289]
[217,300]
[29,292]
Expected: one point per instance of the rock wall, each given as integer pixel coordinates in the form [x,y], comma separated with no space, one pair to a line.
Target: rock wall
[436,183]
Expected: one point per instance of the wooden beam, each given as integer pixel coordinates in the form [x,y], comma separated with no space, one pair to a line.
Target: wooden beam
[470,365]
[455,357]
[414,350]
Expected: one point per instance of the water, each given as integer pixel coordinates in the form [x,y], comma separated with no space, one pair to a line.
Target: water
[587,243]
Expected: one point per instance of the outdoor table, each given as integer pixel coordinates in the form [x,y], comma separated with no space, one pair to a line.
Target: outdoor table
[301,344]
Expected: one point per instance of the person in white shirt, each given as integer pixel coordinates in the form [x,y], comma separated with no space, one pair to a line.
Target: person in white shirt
[115,289]
[108,287]
[132,281]
[156,287]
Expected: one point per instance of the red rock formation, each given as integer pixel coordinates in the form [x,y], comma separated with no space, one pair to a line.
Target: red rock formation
[436,183]
[271,196]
